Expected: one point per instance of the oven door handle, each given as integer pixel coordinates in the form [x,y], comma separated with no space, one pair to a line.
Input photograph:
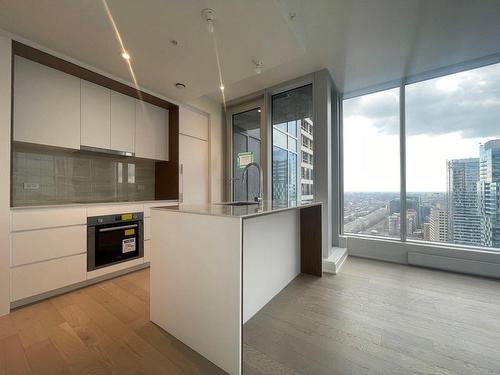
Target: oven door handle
[118,228]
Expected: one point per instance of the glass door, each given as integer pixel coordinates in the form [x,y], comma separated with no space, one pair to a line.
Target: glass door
[246,138]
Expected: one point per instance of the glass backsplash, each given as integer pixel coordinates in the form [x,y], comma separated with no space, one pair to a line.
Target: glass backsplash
[44,176]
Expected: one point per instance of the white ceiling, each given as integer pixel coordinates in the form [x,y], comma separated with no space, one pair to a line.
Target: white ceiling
[361,42]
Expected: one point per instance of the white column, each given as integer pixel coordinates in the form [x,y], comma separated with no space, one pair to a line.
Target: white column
[5,116]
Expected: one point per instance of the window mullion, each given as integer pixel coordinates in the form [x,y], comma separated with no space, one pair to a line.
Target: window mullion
[402,161]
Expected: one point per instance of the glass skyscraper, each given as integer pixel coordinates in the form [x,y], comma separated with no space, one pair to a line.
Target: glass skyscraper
[488,189]
[464,218]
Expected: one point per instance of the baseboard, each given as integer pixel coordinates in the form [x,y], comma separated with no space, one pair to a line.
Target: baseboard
[335,261]
[70,288]
[473,267]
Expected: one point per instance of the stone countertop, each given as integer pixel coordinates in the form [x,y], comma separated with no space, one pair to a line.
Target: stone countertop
[221,209]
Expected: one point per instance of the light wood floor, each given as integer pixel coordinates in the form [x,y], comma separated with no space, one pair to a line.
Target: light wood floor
[378,318]
[101,329]
[372,318]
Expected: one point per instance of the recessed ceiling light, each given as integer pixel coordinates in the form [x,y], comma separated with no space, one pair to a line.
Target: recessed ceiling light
[180,85]
[125,55]
[221,87]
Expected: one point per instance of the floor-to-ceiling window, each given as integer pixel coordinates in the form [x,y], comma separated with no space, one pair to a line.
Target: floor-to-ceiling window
[371,164]
[451,159]
[292,145]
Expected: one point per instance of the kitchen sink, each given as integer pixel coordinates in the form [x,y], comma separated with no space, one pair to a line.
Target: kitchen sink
[238,203]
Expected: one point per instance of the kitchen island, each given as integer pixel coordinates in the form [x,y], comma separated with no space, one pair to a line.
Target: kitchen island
[215,266]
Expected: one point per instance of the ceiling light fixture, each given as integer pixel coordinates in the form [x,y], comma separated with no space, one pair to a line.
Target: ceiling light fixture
[221,87]
[180,85]
[258,66]
[209,15]
[125,55]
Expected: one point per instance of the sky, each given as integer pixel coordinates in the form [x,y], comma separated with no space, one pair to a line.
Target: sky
[446,118]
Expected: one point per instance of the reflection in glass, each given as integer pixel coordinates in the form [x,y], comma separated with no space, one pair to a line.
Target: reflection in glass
[292,145]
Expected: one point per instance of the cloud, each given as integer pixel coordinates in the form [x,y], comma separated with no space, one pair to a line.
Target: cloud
[466,102]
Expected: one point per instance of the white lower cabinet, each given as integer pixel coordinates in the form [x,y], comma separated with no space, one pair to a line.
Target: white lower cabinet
[44,244]
[42,277]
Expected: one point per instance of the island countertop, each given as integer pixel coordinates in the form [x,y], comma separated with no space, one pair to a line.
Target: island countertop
[225,210]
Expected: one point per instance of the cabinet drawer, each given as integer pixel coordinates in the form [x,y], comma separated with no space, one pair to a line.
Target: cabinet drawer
[37,278]
[37,245]
[38,218]
[112,209]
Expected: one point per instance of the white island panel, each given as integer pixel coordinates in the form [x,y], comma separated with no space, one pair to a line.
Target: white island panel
[196,283]
[271,257]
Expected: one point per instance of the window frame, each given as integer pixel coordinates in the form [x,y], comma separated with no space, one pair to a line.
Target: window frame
[401,84]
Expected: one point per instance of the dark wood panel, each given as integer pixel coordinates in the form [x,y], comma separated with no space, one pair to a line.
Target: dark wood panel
[166,180]
[173,134]
[311,260]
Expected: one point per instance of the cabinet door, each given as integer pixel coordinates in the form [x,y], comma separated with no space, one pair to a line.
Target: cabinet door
[122,122]
[193,157]
[193,123]
[151,131]
[96,114]
[46,105]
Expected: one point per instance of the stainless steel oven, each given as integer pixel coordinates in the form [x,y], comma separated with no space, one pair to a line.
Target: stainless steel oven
[113,239]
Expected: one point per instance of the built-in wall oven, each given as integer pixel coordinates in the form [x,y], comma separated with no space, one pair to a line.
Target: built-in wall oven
[113,239]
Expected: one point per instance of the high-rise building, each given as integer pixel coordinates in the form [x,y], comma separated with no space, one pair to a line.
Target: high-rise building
[438,231]
[488,190]
[306,165]
[427,231]
[465,220]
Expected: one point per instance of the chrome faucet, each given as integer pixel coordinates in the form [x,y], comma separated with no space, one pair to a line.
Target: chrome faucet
[258,198]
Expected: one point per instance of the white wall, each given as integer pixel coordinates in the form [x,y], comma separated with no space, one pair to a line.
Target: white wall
[5,113]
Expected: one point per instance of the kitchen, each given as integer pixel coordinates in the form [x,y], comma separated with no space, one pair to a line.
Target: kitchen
[214,187]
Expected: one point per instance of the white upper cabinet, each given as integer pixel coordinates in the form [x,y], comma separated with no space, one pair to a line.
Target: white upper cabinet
[46,105]
[151,131]
[96,115]
[193,123]
[122,122]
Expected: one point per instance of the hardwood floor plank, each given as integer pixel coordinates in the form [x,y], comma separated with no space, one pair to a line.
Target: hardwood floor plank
[13,357]
[75,354]
[44,359]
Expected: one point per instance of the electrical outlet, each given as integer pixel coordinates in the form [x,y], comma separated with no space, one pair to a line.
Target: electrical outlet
[31,186]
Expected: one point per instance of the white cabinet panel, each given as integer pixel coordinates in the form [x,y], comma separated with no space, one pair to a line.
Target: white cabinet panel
[96,114]
[147,228]
[193,123]
[147,251]
[193,157]
[114,209]
[46,105]
[147,206]
[37,278]
[122,122]
[38,218]
[37,245]
[151,131]
[114,268]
